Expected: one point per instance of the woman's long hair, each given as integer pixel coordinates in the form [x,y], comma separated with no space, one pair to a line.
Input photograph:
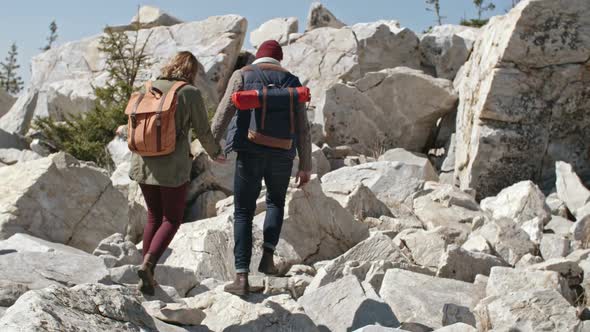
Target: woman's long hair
[183,66]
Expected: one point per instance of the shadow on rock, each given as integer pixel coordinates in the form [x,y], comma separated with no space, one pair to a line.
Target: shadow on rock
[280,320]
[372,312]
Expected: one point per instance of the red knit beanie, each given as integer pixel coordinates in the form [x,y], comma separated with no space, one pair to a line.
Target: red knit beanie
[270,49]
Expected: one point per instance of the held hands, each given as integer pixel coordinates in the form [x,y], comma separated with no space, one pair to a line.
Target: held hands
[220,159]
[302,178]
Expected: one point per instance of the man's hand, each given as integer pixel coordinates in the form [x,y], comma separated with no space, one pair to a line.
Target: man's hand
[220,159]
[302,178]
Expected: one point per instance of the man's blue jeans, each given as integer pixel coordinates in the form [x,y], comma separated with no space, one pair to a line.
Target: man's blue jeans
[251,169]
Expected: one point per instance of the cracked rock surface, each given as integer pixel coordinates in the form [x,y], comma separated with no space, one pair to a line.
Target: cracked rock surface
[92,306]
[61,199]
[524,96]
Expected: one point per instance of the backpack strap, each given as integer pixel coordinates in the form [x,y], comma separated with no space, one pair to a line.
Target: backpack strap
[292,109]
[133,116]
[262,77]
[260,74]
[288,83]
[165,97]
[177,86]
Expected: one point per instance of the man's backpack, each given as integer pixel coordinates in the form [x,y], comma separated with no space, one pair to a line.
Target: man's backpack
[151,123]
[273,124]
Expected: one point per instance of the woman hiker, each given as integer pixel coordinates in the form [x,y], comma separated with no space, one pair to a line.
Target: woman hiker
[164,178]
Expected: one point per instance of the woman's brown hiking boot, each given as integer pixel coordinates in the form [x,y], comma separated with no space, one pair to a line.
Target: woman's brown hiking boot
[147,283]
[240,286]
[267,264]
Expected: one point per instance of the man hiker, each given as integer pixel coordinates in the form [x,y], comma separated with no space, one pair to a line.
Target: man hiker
[266,141]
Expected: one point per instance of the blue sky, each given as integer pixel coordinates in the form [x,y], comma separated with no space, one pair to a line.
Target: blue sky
[26,21]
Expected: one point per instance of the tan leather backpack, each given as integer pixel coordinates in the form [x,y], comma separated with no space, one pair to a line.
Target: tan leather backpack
[151,124]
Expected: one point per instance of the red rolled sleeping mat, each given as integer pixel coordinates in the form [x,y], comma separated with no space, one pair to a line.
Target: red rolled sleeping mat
[251,99]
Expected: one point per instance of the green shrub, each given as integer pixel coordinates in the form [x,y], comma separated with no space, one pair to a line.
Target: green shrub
[86,136]
[476,23]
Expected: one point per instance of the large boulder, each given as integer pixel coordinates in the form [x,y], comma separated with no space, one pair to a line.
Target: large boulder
[61,199]
[569,269]
[554,246]
[320,17]
[378,247]
[570,189]
[520,202]
[446,205]
[422,298]
[315,228]
[63,78]
[509,241]
[360,201]
[460,264]
[542,310]
[380,38]
[149,17]
[6,102]
[386,109]
[347,305]
[328,55]
[277,29]
[505,280]
[523,98]
[36,264]
[426,248]
[391,181]
[205,246]
[226,312]
[91,306]
[446,48]
[323,57]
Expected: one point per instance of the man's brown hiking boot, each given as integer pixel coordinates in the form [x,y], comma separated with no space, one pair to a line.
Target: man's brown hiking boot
[240,286]
[267,264]
[147,283]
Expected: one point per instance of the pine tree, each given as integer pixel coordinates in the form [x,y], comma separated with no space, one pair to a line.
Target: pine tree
[483,7]
[434,6]
[52,36]
[86,136]
[9,78]
[125,60]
